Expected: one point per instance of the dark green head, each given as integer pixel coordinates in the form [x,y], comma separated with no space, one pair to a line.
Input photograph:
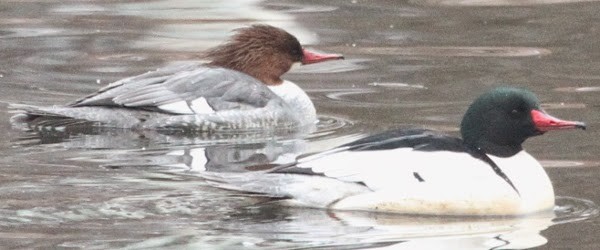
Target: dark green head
[499,121]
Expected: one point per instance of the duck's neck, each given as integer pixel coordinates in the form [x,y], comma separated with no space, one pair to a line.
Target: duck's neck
[498,150]
[490,141]
[297,100]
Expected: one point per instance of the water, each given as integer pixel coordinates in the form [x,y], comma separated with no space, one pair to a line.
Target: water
[409,63]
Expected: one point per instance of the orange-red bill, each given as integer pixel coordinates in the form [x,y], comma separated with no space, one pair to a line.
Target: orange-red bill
[314,57]
[545,122]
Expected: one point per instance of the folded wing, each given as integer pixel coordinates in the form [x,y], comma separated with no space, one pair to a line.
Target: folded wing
[188,88]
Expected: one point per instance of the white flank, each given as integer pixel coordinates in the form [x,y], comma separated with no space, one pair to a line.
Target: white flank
[200,106]
[180,107]
[197,106]
[407,181]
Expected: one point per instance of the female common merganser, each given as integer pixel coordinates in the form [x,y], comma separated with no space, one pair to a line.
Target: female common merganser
[240,88]
[420,171]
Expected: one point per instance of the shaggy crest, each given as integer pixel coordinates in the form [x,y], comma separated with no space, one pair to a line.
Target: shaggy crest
[262,51]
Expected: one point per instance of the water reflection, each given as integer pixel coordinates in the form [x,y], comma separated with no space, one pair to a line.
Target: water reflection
[220,158]
[351,230]
[319,229]
[179,216]
[173,151]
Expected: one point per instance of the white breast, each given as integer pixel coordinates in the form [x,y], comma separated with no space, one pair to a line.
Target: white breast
[297,100]
[530,178]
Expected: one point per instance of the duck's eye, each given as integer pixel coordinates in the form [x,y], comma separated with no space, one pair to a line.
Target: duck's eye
[517,112]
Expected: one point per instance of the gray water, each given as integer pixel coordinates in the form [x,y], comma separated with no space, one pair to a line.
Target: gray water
[409,63]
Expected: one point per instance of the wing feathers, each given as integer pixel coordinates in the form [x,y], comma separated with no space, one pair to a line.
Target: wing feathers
[149,96]
[219,87]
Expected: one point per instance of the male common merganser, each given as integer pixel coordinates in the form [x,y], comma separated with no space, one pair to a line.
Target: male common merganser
[420,171]
[240,88]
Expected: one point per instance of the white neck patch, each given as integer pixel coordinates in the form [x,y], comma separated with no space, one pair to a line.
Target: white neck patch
[297,99]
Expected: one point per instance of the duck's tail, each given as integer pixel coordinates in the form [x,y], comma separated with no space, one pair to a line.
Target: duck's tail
[30,111]
[33,117]
[28,115]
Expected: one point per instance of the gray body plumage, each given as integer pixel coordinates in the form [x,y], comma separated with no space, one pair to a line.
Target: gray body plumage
[232,100]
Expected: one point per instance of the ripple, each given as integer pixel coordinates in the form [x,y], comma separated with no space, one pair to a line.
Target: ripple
[569,209]
[446,51]
[442,118]
[578,89]
[344,96]
[338,66]
[495,2]
[297,8]
[54,58]
[398,85]
[123,57]
[340,95]
[32,32]
[330,124]
[78,9]
[568,164]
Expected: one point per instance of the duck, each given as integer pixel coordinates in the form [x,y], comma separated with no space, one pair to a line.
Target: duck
[486,172]
[241,87]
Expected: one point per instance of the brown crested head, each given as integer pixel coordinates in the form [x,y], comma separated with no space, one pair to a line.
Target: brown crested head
[262,51]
